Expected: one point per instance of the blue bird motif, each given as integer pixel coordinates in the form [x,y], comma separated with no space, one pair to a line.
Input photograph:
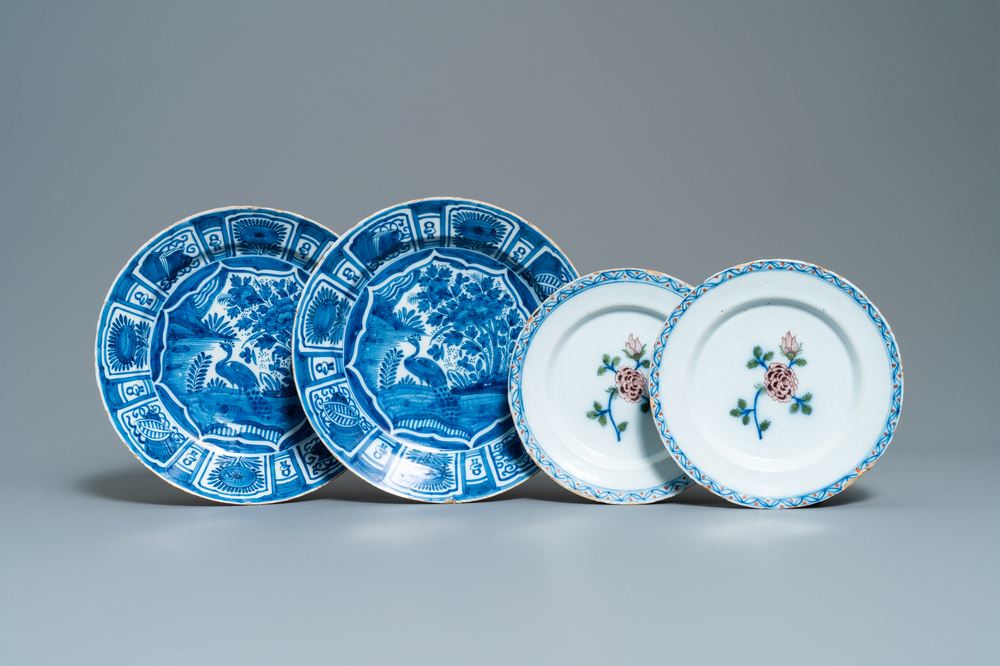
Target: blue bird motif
[242,378]
[430,373]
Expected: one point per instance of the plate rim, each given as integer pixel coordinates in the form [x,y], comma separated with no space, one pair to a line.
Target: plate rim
[296,345]
[569,481]
[97,351]
[812,497]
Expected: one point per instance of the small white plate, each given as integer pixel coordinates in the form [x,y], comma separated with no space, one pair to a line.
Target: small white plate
[776,384]
[579,386]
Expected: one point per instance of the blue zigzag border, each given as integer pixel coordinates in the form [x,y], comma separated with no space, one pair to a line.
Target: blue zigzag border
[892,419]
[568,481]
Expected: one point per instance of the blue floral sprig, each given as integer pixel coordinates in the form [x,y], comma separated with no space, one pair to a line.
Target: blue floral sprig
[630,385]
[780,384]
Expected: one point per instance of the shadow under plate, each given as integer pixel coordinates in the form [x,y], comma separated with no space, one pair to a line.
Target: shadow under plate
[140,487]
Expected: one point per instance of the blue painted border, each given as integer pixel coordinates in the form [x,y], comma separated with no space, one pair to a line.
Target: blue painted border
[892,418]
[319,367]
[301,468]
[528,439]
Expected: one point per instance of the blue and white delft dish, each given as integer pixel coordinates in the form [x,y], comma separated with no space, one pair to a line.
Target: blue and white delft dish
[579,386]
[403,341]
[194,356]
[776,384]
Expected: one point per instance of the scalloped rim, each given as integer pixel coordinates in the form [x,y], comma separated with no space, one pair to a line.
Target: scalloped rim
[892,419]
[342,240]
[97,349]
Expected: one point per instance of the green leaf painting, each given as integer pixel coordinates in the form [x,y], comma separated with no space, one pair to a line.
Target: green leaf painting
[631,385]
[780,384]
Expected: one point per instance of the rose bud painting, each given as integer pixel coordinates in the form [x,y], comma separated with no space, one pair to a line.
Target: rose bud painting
[631,385]
[780,384]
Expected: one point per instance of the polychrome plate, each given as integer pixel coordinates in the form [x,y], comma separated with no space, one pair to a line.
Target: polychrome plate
[194,356]
[776,384]
[579,386]
[403,341]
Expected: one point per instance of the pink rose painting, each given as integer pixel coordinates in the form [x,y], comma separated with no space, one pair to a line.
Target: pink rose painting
[780,384]
[631,384]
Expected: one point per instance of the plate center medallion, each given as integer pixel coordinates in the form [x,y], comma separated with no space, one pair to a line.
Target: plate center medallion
[222,354]
[434,347]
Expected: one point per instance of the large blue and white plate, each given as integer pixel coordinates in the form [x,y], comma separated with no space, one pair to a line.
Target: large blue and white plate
[579,386]
[776,384]
[194,356]
[403,341]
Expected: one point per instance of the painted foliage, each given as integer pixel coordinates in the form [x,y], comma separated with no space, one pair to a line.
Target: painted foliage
[404,339]
[226,356]
[194,356]
[631,384]
[780,384]
[436,348]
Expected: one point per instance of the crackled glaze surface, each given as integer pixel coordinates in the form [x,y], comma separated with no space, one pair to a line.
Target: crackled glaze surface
[194,356]
[403,344]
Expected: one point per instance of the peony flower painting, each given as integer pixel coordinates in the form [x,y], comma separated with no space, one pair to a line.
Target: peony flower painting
[631,384]
[780,384]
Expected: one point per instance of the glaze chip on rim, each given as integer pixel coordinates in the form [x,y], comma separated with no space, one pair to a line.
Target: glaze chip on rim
[194,361]
[579,387]
[402,346]
[776,384]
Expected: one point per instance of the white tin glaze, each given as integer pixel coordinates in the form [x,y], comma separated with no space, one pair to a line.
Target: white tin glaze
[776,384]
[579,386]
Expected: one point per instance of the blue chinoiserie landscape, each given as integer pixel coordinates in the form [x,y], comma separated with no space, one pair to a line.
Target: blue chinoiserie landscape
[194,356]
[222,356]
[403,346]
[430,347]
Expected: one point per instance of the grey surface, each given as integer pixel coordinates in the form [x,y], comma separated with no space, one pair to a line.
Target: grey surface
[680,137]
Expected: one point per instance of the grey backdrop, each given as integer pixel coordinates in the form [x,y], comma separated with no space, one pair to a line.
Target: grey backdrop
[683,137]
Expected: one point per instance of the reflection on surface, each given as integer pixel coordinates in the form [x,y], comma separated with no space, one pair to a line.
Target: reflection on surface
[142,487]
[139,486]
[750,528]
[698,496]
